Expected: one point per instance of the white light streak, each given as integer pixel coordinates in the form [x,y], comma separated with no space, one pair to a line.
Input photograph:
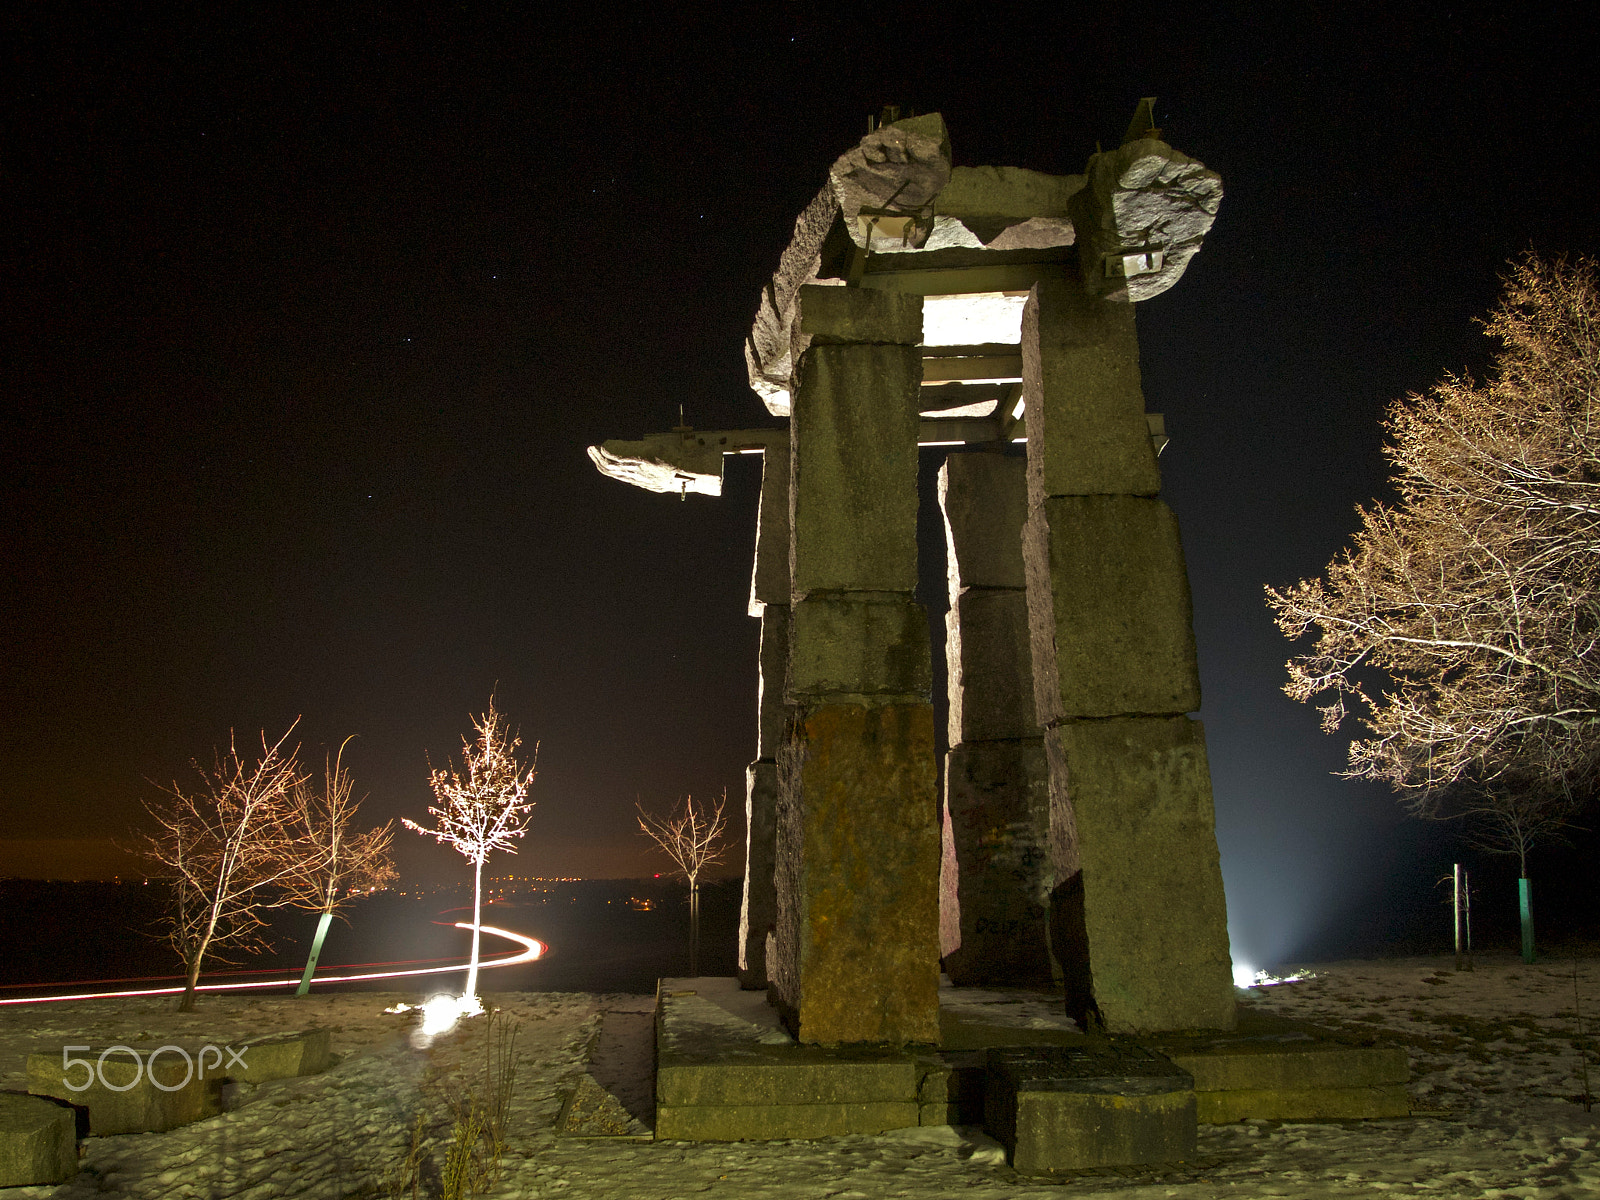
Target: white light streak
[532,950]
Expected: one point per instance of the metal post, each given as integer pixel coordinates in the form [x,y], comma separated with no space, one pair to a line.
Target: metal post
[1525,904]
[316,950]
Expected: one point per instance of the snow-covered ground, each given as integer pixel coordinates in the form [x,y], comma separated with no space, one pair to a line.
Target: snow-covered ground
[1497,1086]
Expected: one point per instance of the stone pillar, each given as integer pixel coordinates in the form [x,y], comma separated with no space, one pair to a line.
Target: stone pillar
[857,945]
[995,887]
[1138,918]
[769,600]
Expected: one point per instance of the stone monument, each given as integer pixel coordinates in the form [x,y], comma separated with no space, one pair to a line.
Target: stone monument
[920,303]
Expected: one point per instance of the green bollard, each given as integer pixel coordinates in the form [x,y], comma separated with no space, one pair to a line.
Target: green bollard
[316,949]
[1525,903]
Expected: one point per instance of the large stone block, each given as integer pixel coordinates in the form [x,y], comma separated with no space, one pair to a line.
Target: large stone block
[984,499]
[38,1140]
[1061,1109]
[873,648]
[769,577]
[133,1089]
[758,910]
[853,485]
[858,876]
[990,676]
[998,799]
[1087,434]
[1108,601]
[831,316]
[1136,794]
[773,668]
[281,1056]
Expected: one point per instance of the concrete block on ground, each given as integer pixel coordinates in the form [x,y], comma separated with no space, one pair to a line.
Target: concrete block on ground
[997,794]
[1133,798]
[133,1089]
[770,682]
[1303,1104]
[280,1056]
[758,910]
[853,484]
[854,645]
[769,577]
[984,499]
[726,1071]
[988,651]
[1063,1108]
[1109,609]
[857,947]
[38,1140]
[1087,434]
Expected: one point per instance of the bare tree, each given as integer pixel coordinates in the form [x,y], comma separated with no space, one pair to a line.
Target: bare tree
[691,837]
[338,861]
[1463,622]
[1462,625]
[486,811]
[226,848]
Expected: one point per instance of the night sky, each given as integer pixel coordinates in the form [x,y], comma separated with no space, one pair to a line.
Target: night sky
[306,325]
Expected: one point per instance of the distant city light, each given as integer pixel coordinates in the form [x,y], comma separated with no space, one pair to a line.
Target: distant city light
[533,950]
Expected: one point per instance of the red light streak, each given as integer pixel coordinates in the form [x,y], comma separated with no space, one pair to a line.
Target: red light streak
[533,949]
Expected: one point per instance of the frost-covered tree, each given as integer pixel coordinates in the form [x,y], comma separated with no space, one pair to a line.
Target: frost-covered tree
[484,811]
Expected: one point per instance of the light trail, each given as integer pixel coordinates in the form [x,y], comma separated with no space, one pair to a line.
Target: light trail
[532,950]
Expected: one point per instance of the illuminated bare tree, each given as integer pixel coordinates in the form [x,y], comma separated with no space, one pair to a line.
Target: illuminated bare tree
[484,812]
[691,837]
[1463,623]
[226,848]
[338,861]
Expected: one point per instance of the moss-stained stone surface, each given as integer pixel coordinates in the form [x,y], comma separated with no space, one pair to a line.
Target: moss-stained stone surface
[859,644]
[1087,434]
[830,315]
[1153,908]
[1109,609]
[764,1122]
[853,487]
[858,876]
[984,500]
[990,670]
[758,909]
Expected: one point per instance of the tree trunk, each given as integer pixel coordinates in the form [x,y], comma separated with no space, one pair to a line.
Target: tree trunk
[316,951]
[694,929]
[192,978]
[477,920]
[1525,907]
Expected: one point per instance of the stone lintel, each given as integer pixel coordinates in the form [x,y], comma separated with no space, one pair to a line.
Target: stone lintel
[858,876]
[1137,795]
[1109,608]
[1087,433]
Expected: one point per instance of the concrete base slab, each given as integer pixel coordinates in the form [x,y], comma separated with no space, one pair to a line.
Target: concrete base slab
[1058,1108]
[38,1140]
[727,1070]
